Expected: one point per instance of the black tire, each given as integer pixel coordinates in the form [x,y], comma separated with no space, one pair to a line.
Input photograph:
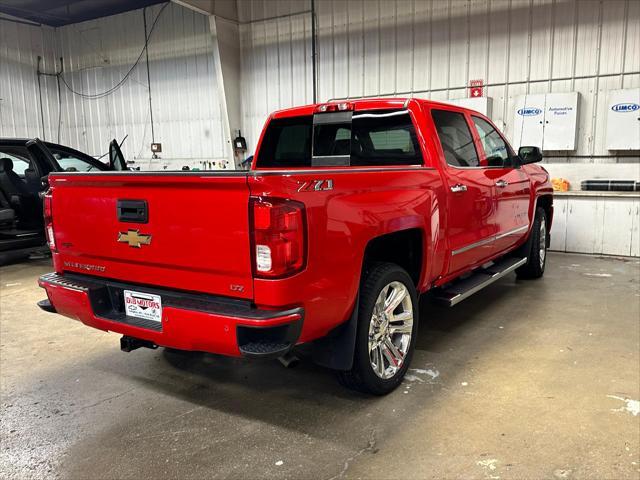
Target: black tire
[362,376]
[536,263]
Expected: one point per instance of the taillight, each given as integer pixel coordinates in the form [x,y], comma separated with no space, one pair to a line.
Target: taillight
[48,221]
[279,237]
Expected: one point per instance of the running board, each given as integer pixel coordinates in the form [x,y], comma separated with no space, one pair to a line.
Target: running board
[458,290]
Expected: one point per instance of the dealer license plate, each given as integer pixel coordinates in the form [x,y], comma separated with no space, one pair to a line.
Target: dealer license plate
[143,305]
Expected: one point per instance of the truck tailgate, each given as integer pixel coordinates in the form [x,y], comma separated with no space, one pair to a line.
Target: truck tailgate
[195,236]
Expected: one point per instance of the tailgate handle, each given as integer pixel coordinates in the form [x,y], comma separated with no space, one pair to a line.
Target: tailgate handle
[134,211]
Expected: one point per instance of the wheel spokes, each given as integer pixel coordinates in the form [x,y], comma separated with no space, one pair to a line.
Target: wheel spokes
[380,361]
[392,353]
[390,329]
[402,317]
[397,295]
[380,302]
[402,329]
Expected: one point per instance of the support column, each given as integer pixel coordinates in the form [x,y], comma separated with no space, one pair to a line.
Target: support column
[225,32]
[226,52]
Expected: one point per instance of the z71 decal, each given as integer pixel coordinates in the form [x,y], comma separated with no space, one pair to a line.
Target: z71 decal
[315,185]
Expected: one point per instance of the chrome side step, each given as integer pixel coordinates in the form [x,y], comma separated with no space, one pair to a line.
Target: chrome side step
[458,290]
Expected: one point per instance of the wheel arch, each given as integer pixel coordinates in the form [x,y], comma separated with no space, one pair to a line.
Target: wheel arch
[545,202]
[336,350]
[403,247]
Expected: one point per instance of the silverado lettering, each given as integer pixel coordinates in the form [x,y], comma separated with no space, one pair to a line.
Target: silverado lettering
[426,197]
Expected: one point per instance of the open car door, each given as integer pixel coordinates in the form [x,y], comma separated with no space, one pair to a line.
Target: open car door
[116,159]
[43,158]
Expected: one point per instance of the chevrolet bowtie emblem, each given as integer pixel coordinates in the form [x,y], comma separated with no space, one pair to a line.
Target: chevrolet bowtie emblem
[134,238]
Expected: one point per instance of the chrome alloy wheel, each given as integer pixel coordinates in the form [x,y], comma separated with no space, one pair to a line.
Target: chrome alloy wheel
[390,329]
[543,241]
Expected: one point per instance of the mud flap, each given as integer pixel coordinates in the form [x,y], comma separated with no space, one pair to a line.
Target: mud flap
[524,250]
[337,349]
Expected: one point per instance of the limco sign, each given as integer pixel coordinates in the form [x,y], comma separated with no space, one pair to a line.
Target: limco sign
[529,112]
[625,107]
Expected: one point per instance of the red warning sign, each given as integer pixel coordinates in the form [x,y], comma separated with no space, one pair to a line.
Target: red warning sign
[476,88]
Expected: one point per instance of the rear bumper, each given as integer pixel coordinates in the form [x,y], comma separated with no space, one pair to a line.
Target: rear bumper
[189,321]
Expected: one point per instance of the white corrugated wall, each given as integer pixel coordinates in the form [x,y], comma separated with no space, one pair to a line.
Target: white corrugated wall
[20,113]
[431,49]
[424,48]
[97,54]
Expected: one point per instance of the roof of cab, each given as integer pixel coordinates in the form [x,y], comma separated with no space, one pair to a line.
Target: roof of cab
[361,104]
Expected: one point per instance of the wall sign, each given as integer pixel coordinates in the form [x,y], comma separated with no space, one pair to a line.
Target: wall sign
[623,119]
[476,88]
[546,120]
[529,112]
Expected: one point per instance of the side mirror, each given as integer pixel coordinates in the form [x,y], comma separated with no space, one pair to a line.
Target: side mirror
[529,155]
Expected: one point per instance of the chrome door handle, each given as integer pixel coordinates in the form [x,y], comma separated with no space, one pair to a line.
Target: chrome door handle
[501,183]
[458,187]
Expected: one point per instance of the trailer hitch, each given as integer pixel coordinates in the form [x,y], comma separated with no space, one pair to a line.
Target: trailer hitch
[128,344]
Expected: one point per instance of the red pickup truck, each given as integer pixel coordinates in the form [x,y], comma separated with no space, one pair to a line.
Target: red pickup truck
[350,211]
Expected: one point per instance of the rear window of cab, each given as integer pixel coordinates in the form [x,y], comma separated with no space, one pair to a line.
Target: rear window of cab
[365,138]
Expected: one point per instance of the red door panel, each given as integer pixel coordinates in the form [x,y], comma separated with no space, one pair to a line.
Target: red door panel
[511,188]
[512,194]
[470,221]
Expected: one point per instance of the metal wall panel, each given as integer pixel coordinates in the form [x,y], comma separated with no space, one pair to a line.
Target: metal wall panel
[97,54]
[20,114]
[186,113]
[431,49]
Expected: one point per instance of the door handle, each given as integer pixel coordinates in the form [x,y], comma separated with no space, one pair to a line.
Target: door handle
[501,183]
[458,187]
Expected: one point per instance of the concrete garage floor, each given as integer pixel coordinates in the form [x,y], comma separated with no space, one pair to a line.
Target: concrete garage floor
[532,379]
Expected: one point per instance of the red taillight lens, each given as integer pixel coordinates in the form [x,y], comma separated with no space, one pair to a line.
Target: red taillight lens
[48,221]
[279,237]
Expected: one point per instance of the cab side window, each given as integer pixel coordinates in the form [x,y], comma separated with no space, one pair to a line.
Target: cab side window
[455,138]
[495,148]
[384,137]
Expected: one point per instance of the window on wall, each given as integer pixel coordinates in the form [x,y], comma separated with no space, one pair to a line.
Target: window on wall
[455,138]
[495,148]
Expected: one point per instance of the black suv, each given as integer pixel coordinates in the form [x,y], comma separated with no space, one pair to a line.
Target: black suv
[24,166]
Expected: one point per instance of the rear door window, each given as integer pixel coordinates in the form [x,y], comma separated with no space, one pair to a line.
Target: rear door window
[455,137]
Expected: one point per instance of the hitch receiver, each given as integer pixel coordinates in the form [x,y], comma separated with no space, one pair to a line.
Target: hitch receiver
[128,344]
